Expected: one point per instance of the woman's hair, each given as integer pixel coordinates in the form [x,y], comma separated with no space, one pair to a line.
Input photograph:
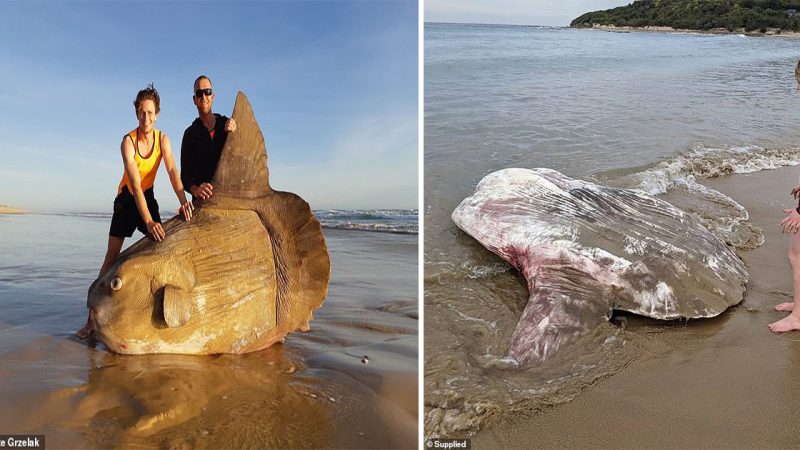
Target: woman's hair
[148,93]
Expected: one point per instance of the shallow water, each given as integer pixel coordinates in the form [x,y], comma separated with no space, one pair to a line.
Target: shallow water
[651,111]
[313,391]
[713,383]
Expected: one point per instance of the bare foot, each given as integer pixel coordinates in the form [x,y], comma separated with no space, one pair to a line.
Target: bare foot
[788,323]
[785,307]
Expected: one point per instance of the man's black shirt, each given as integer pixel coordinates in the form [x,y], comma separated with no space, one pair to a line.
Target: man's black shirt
[199,153]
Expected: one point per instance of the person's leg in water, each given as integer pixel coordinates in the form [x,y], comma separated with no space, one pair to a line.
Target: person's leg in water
[792,321]
[114,247]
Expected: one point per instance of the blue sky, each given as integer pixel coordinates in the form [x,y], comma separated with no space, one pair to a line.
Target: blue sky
[514,12]
[333,85]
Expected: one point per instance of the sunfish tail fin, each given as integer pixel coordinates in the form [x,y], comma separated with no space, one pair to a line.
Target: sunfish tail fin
[552,318]
[302,263]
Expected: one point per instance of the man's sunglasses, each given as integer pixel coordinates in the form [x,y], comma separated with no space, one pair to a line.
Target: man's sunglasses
[200,92]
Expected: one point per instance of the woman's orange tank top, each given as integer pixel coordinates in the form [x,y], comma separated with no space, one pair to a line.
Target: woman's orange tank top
[147,166]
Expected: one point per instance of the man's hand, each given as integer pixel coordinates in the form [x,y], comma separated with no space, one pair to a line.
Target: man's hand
[204,191]
[230,126]
[791,223]
[796,191]
[155,230]
[186,211]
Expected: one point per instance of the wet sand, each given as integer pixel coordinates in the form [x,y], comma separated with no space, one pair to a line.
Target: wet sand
[315,391]
[727,382]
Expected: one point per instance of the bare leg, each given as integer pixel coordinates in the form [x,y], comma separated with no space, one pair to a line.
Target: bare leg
[792,321]
[114,247]
[789,306]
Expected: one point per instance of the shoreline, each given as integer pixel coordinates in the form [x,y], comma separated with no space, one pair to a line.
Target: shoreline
[11,210]
[721,380]
[660,29]
[315,381]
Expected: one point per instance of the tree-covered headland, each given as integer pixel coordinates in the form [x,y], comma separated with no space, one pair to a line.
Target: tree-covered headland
[732,15]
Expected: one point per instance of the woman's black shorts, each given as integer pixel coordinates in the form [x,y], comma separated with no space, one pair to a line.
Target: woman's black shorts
[126,215]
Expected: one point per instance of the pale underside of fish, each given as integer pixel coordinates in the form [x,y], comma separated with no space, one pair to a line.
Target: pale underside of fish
[586,250]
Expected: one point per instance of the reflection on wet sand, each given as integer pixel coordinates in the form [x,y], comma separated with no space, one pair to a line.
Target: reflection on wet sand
[266,399]
[350,382]
[176,400]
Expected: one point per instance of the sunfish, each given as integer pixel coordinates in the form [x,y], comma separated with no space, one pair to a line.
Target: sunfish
[249,268]
[587,249]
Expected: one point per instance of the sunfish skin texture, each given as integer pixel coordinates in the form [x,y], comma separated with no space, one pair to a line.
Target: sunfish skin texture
[587,249]
[249,268]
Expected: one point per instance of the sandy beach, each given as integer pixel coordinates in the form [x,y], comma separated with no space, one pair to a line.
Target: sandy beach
[669,110]
[717,383]
[350,382]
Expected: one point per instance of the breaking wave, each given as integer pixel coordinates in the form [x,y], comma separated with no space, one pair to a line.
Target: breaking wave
[403,221]
[705,163]
[679,180]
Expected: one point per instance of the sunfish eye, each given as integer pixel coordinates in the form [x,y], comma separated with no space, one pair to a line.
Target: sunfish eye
[116,283]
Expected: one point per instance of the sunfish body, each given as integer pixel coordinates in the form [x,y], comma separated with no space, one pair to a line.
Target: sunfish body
[249,268]
[586,250]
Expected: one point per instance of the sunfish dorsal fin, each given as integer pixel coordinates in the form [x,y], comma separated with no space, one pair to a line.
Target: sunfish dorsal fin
[242,170]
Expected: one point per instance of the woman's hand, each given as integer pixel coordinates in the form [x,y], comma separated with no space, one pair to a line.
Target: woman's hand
[155,230]
[791,223]
[186,210]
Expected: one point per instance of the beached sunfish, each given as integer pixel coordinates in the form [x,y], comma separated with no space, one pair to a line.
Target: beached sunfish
[586,250]
[249,268]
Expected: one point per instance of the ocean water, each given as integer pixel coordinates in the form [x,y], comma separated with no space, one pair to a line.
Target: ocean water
[652,111]
[316,390]
[404,221]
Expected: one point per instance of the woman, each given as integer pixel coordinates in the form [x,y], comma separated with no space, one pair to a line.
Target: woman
[135,206]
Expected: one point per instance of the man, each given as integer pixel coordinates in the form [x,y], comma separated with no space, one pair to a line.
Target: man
[202,142]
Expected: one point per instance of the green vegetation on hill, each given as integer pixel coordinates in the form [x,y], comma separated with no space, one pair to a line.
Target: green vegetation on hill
[751,15]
